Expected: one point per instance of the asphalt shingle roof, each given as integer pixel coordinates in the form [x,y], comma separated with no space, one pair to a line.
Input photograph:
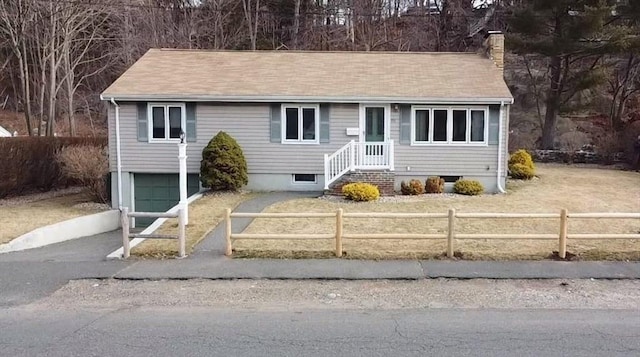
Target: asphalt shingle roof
[289,75]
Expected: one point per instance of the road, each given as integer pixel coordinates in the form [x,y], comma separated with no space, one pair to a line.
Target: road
[438,317]
[198,331]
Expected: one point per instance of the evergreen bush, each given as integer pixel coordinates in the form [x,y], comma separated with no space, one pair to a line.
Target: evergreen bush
[360,191]
[521,165]
[468,187]
[223,166]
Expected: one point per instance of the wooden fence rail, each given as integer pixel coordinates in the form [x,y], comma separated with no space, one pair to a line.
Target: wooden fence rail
[451,236]
[126,231]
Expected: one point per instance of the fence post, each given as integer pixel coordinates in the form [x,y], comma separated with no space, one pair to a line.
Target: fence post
[227,220]
[451,233]
[339,232]
[182,220]
[124,221]
[564,227]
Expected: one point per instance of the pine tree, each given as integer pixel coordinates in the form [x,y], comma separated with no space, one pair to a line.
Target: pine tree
[573,35]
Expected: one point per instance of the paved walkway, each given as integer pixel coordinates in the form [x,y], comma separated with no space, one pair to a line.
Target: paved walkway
[32,274]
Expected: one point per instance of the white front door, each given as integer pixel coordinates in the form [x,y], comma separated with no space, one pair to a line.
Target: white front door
[374,133]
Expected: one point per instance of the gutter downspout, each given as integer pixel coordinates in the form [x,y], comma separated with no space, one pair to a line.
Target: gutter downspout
[118,157]
[500,148]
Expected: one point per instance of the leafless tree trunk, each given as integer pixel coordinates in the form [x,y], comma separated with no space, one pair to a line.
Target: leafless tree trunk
[16,18]
[624,83]
[296,24]
[251,16]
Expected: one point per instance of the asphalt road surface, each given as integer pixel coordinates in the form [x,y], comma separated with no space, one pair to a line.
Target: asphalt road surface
[328,318]
[184,331]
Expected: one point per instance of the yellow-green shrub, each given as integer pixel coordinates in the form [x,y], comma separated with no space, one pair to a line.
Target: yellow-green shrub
[360,191]
[434,184]
[522,172]
[414,187]
[521,165]
[468,187]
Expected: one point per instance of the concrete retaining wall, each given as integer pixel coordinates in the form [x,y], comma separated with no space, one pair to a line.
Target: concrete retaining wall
[70,229]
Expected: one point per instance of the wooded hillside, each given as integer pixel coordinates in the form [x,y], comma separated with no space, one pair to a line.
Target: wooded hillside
[568,58]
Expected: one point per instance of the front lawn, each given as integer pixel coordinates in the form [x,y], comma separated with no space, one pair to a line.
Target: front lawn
[20,215]
[204,216]
[559,186]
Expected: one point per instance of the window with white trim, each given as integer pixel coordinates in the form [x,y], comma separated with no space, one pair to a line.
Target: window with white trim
[449,125]
[166,121]
[300,124]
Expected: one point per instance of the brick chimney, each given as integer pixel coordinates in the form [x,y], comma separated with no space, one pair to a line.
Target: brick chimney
[494,47]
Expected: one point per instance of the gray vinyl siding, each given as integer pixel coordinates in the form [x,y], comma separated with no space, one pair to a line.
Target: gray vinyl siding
[450,160]
[249,124]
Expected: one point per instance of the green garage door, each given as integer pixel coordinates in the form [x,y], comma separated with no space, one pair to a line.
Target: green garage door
[159,192]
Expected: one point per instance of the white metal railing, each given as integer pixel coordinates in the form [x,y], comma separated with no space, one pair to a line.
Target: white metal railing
[358,155]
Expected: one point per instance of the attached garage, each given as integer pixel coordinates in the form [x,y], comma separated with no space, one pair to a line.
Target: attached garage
[159,192]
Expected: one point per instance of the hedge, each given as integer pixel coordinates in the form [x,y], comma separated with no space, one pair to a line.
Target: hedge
[29,163]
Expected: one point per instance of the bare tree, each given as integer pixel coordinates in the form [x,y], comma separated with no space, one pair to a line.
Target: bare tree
[251,12]
[624,83]
[16,18]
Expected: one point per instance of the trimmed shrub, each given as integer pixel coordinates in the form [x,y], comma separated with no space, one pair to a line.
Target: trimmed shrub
[29,163]
[414,187]
[468,187]
[523,159]
[223,166]
[360,191]
[521,172]
[87,165]
[434,184]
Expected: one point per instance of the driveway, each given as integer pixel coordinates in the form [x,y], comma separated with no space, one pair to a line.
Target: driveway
[35,273]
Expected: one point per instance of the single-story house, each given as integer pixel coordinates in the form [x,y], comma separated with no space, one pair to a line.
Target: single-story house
[309,120]
[4,133]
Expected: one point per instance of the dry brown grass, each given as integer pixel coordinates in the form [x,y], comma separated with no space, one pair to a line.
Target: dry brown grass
[21,218]
[558,186]
[204,216]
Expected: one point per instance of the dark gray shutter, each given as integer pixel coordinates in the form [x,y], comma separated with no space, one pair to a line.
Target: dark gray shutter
[325,132]
[494,124]
[405,124]
[191,123]
[143,128]
[276,123]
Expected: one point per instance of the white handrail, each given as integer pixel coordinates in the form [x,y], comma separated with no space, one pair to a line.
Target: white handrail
[361,155]
[338,164]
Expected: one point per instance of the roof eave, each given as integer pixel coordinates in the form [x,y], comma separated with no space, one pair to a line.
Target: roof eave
[307,99]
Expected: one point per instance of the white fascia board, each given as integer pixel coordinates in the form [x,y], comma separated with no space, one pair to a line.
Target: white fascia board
[301,99]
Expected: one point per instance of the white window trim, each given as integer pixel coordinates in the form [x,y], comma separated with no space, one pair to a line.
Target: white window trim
[283,124]
[450,141]
[293,180]
[387,120]
[183,121]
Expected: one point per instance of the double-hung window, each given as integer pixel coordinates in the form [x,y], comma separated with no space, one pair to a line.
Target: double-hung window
[300,124]
[449,125]
[166,121]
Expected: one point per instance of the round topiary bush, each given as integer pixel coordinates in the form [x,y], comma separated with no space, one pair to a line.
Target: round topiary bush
[468,187]
[223,166]
[434,184]
[521,172]
[414,187]
[360,191]
[521,165]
